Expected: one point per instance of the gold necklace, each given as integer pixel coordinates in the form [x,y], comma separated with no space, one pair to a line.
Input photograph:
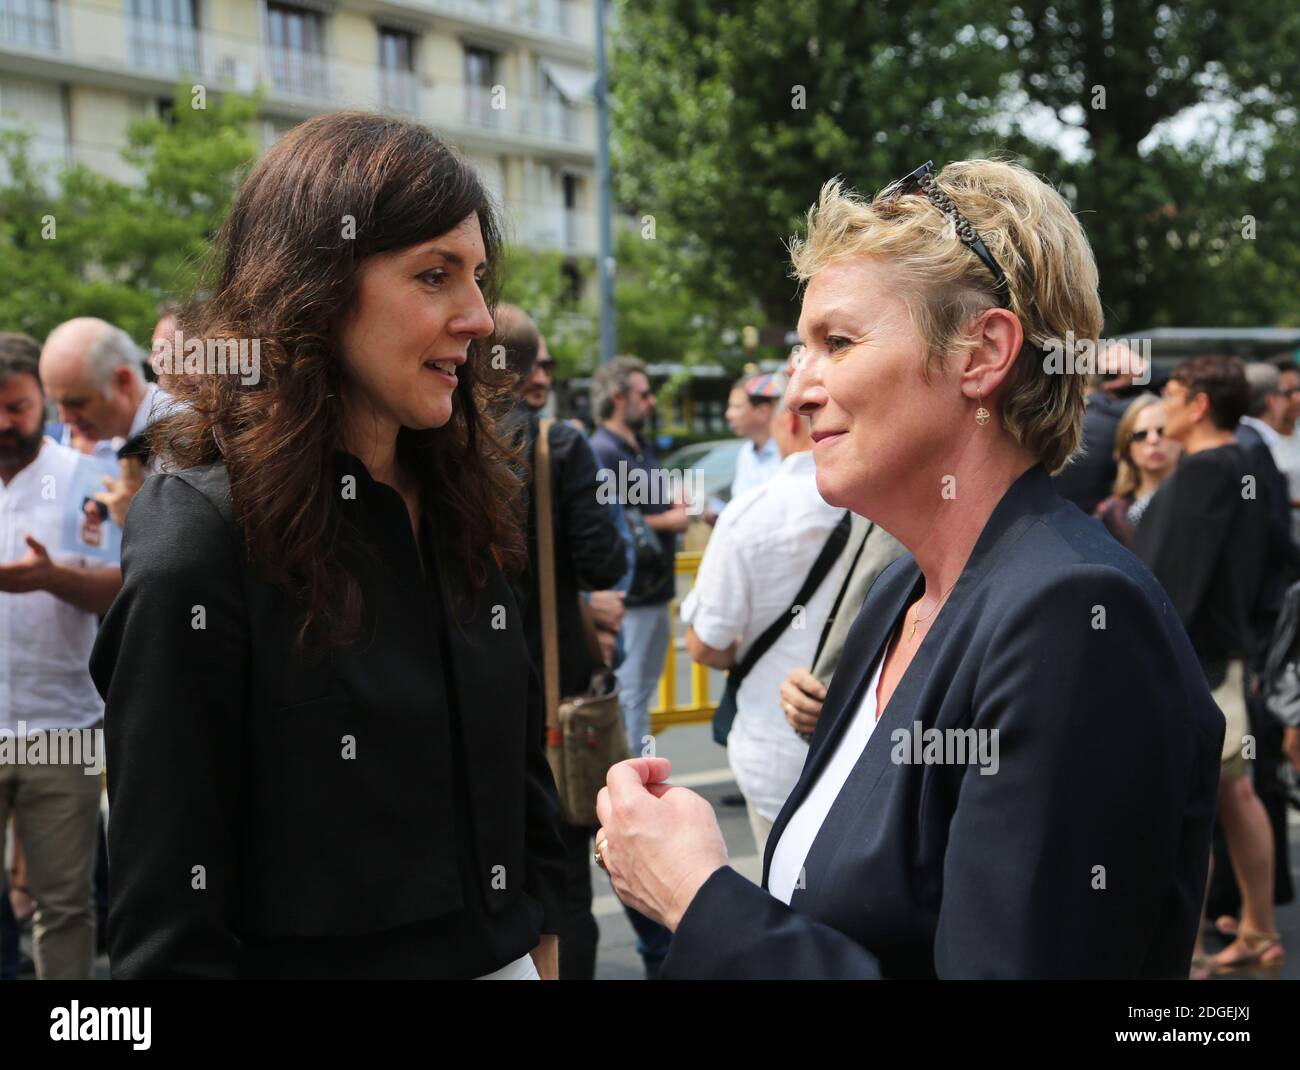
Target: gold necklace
[917,618]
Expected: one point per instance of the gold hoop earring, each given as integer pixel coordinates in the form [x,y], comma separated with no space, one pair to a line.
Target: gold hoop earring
[981,414]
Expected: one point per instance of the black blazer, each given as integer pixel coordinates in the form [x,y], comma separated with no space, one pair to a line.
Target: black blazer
[1109,757]
[225,752]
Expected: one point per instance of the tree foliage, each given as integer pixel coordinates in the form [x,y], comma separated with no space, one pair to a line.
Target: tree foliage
[79,243]
[1193,132]
[535,280]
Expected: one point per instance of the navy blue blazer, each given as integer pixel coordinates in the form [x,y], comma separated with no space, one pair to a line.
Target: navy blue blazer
[1084,855]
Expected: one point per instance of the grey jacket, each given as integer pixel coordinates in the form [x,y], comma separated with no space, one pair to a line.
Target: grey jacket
[870,550]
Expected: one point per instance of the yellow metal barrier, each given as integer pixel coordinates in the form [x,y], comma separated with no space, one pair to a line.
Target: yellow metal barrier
[699,709]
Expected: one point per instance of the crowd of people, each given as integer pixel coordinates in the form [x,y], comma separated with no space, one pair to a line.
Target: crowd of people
[317,648]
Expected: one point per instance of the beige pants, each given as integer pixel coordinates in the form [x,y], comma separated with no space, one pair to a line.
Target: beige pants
[1231,699]
[55,808]
[760,826]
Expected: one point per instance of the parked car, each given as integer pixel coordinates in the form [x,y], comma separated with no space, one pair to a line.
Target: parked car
[716,460]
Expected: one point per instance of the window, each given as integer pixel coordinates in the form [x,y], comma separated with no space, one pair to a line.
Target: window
[397,88]
[297,49]
[480,67]
[163,35]
[480,77]
[30,23]
[396,50]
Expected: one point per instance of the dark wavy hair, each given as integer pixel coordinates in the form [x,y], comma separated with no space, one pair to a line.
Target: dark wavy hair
[284,271]
[1222,379]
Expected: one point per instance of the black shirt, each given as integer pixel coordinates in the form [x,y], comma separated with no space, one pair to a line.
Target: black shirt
[384,811]
[470,942]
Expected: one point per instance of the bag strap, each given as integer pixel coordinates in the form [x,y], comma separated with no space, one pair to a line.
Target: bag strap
[830,554]
[844,589]
[546,575]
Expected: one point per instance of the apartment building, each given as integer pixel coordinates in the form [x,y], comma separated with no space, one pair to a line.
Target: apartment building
[508,81]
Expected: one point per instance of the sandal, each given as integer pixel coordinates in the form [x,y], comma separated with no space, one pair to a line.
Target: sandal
[1263,950]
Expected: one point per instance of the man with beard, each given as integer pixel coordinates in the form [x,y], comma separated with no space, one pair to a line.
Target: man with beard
[48,604]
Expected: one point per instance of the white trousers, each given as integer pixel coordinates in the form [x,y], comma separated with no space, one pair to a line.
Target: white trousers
[522,969]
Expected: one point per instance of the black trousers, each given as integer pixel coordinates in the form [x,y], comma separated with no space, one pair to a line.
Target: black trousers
[580,934]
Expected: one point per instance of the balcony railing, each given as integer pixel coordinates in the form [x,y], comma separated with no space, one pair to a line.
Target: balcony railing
[556,18]
[298,73]
[164,47]
[520,115]
[399,91]
[30,24]
[552,226]
[483,107]
[147,53]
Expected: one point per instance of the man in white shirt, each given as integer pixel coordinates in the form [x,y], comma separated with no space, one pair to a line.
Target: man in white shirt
[758,557]
[750,410]
[50,746]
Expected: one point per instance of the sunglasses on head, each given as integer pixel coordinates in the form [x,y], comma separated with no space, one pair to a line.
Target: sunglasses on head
[922,180]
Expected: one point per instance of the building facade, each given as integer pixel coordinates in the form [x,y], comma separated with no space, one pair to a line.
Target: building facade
[508,81]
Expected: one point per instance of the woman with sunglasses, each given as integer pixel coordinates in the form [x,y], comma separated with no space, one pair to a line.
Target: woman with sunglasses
[1144,457]
[1015,767]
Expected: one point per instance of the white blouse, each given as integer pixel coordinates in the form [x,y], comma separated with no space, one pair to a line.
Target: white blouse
[797,837]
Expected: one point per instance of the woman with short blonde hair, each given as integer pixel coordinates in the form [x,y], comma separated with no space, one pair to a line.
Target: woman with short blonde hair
[1015,767]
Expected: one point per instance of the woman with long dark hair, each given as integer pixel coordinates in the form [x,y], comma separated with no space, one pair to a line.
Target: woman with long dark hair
[324,737]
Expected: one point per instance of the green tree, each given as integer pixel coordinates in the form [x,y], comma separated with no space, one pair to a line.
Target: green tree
[78,243]
[663,318]
[1186,178]
[1182,168]
[536,281]
[729,117]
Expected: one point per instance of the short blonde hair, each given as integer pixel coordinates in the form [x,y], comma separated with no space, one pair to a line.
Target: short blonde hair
[1031,233]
